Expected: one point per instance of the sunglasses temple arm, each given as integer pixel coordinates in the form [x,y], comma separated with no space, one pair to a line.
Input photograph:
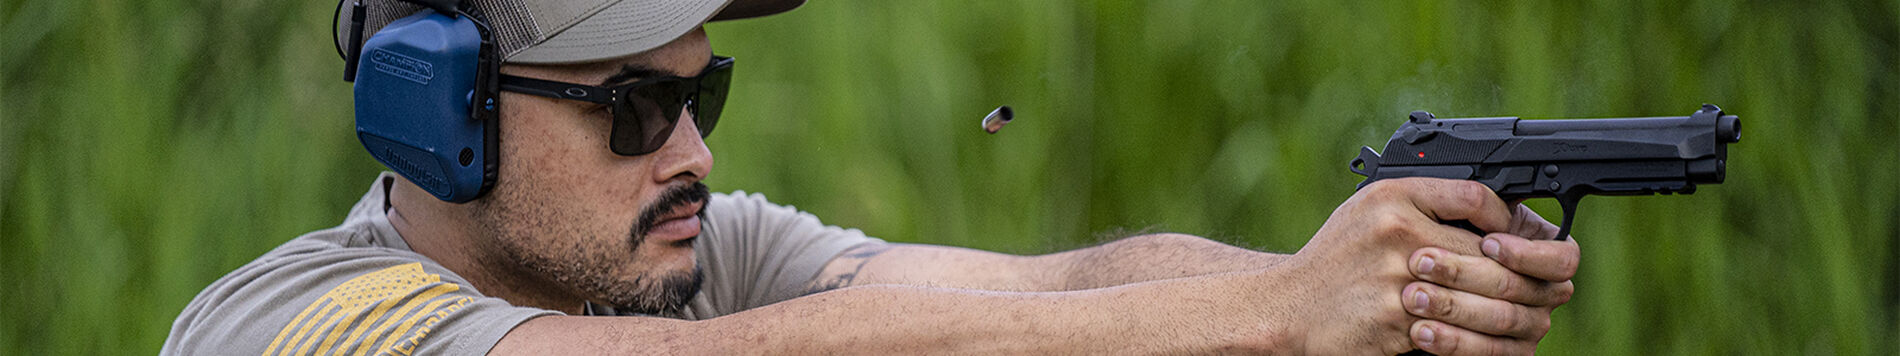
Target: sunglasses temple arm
[553,89]
[532,91]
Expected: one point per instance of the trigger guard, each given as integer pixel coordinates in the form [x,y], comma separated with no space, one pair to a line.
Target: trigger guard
[1569,204]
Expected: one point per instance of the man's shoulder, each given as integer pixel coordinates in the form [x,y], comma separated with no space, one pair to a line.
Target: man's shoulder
[740,206]
[755,252]
[746,218]
[323,254]
[735,199]
[356,286]
[309,275]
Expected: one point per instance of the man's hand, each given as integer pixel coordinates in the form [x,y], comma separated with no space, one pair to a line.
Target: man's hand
[1364,265]
[1531,275]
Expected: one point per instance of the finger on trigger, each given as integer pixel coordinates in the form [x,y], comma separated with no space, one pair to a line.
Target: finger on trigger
[1525,222]
[1449,200]
[1548,260]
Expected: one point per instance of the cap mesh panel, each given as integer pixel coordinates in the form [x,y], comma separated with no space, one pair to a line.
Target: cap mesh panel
[512,23]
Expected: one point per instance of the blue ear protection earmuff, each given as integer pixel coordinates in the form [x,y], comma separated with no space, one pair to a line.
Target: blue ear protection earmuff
[426,98]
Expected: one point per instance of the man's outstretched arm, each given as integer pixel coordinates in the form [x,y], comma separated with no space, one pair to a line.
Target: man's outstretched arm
[1516,270]
[1224,313]
[1144,258]
[1129,260]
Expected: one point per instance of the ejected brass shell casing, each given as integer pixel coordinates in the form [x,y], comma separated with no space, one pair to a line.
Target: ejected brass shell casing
[997,119]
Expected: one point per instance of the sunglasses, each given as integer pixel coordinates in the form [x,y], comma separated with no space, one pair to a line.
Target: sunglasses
[645,111]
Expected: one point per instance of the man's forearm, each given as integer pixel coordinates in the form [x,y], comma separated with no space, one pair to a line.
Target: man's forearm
[890,319]
[1130,260]
[1149,258]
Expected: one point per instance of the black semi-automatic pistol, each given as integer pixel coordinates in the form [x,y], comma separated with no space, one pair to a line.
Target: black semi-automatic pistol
[1563,159]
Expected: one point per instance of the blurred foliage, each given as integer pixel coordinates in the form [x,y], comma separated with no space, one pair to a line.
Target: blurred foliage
[148,147]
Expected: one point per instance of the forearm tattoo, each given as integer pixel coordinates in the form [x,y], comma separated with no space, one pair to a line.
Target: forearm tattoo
[841,271]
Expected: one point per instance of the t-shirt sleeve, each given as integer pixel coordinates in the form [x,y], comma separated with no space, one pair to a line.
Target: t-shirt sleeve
[345,301]
[755,253]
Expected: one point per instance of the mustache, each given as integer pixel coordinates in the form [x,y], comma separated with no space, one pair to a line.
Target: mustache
[674,197]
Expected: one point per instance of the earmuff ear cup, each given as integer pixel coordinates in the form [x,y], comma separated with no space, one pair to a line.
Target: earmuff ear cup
[415,81]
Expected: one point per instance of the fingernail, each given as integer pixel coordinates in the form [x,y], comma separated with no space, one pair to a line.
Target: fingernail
[1420,302]
[1490,248]
[1425,336]
[1425,265]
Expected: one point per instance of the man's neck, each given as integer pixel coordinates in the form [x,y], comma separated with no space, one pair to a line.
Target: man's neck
[445,233]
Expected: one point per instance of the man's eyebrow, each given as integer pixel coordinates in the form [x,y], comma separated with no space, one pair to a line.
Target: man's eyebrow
[629,72]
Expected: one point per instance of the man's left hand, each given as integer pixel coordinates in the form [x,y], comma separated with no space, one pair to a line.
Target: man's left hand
[1494,297]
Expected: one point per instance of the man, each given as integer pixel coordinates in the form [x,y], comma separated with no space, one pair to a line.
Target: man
[583,247]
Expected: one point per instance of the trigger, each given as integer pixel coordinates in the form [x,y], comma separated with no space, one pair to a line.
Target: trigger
[1569,203]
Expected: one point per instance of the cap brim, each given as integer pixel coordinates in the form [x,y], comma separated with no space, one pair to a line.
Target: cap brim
[634,26]
[745,9]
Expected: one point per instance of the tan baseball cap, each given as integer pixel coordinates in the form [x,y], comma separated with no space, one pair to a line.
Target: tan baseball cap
[574,31]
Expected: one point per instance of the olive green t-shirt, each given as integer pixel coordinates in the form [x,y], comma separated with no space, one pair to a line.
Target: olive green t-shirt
[358,289]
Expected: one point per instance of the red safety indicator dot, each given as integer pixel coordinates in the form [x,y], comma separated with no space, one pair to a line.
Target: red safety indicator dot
[1421,155]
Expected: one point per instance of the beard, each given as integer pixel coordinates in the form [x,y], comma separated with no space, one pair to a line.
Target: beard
[550,242]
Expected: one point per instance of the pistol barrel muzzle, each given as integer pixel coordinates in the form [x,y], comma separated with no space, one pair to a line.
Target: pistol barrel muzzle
[1728,129]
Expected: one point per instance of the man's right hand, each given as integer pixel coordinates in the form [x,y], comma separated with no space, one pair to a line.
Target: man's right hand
[1362,280]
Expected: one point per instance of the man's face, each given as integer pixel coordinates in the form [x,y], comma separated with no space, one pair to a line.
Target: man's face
[610,228]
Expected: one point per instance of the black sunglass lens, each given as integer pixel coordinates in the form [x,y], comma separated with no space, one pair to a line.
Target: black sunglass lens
[629,133]
[711,98]
[657,108]
[645,115]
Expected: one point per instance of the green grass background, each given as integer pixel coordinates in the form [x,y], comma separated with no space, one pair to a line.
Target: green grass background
[148,147]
